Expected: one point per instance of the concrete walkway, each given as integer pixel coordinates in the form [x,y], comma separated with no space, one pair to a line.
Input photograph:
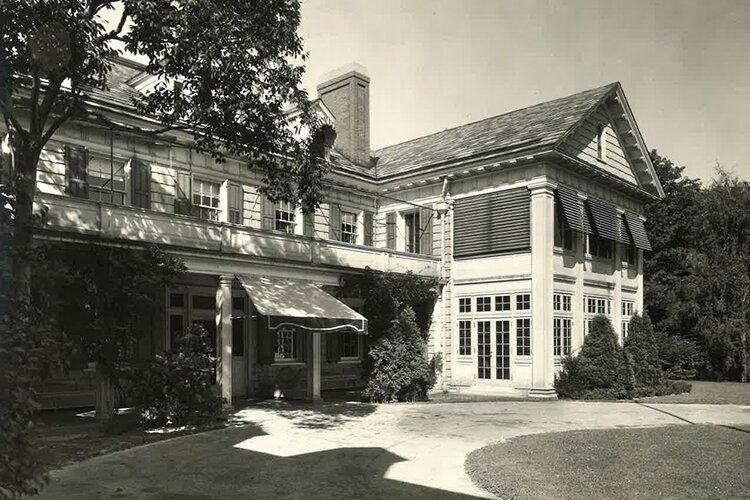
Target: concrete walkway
[350,450]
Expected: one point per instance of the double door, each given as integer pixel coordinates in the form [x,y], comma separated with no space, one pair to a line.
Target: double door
[493,349]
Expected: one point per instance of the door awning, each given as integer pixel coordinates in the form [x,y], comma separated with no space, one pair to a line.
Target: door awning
[300,304]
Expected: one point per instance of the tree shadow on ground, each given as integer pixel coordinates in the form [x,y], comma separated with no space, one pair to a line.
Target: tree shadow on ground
[324,415]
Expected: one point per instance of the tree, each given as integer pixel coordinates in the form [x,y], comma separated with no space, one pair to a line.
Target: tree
[225,70]
[642,349]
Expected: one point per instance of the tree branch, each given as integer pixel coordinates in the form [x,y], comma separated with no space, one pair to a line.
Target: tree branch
[34,102]
[10,116]
[50,94]
[55,125]
[113,35]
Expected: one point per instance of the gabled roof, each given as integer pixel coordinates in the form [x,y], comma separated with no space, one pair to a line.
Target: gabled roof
[538,125]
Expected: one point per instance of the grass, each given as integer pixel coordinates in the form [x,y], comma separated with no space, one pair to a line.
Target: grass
[708,393]
[696,461]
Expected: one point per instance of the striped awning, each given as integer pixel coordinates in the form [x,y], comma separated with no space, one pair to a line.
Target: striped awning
[605,218]
[638,231]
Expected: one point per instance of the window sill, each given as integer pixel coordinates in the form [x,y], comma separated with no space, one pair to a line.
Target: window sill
[288,362]
[350,360]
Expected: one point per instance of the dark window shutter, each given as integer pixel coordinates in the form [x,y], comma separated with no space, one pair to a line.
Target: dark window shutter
[76,162]
[425,241]
[605,217]
[368,228]
[334,217]
[638,231]
[140,177]
[308,225]
[182,187]
[492,223]
[390,230]
[333,349]
[267,215]
[234,202]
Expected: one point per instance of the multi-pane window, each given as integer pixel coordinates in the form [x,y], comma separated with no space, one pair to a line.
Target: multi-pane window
[523,302]
[412,231]
[561,302]
[502,349]
[286,344]
[348,227]
[206,199]
[564,236]
[596,305]
[484,304]
[502,303]
[349,345]
[106,180]
[484,350]
[561,336]
[464,338]
[464,304]
[523,337]
[630,254]
[284,216]
[625,329]
[600,247]
[627,307]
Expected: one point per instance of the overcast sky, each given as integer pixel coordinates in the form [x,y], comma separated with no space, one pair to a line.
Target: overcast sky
[684,65]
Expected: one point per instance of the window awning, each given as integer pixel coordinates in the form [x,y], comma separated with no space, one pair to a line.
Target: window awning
[638,231]
[604,217]
[573,210]
[300,304]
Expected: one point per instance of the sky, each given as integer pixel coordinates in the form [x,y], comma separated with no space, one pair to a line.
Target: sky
[433,64]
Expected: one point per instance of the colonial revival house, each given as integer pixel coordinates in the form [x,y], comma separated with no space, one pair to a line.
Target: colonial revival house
[531,221]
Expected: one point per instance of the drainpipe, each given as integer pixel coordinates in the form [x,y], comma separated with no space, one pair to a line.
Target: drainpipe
[442,211]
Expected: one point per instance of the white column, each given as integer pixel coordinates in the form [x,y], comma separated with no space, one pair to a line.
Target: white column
[313,366]
[224,337]
[617,293]
[542,285]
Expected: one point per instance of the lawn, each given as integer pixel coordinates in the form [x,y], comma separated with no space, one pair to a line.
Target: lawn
[708,393]
[681,461]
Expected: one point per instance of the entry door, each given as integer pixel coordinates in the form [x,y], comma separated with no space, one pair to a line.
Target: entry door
[493,350]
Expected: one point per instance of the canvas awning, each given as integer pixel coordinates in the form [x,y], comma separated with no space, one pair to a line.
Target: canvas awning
[300,304]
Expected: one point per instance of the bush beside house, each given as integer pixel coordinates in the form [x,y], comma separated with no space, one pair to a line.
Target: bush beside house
[605,370]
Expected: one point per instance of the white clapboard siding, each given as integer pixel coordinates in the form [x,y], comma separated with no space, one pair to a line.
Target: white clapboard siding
[162,188]
[50,175]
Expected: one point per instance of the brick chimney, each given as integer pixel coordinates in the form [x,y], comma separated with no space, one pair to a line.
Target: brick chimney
[346,92]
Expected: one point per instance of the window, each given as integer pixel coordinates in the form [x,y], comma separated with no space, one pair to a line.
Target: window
[176,328]
[348,227]
[284,216]
[561,335]
[106,180]
[206,199]
[234,204]
[600,247]
[523,337]
[286,344]
[625,329]
[561,302]
[484,304]
[502,303]
[464,338]
[238,337]
[412,231]
[630,254]
[523,302]
[205,302]
[484,353]
[464,305]
[502,350]
[176,300]
[627,308]
[348,345]
[595,305]
[564,236]
[601,142]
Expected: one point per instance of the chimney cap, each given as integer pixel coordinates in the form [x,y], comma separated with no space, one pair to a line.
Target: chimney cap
[344,71]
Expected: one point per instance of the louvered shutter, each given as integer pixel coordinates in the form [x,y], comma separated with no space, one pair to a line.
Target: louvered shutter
[140,182]
[333,349]
[605,219]
[390,230]
[76,163]
[624,232]
[425,238]
[267,214]
[571,209]
[334,217]
[234,203]
[368,228]
[183,187]
[492,223]
[638,231]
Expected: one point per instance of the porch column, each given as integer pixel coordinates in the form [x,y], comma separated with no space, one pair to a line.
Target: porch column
[313,367]
[224,337]
[542,285]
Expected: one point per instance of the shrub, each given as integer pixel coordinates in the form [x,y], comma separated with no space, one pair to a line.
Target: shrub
[680,357]
[642,351]
[175,388]
[400,371]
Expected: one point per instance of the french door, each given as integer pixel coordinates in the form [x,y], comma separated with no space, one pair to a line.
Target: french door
[493,349]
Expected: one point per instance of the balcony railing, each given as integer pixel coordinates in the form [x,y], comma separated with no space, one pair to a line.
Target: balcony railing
[127,223]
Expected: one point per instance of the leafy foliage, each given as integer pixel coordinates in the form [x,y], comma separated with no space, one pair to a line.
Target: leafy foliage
[175,388]
[400,370]
[30,346]
[642,350]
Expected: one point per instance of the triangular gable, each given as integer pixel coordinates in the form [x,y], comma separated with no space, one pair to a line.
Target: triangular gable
[622,152]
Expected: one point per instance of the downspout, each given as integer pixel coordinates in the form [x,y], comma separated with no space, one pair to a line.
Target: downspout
[443,212]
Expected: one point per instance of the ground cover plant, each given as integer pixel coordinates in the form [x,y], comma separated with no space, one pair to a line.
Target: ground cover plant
[682,461]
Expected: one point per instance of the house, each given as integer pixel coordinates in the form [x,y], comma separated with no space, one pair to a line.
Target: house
[531,221]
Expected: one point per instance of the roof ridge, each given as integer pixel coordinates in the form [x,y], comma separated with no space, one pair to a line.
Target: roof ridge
[609,85]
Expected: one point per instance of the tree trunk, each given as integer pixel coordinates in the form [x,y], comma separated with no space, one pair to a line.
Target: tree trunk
[25,188]
[105,397]
[743,342]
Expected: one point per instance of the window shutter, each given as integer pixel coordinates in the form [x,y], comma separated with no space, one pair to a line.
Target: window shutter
[334,217]
[333,348]
[308,225]
[425,241]
[390,230]
[183,189]
[267,213]
[140,178]
[76,162]
[368,228]
[234,201]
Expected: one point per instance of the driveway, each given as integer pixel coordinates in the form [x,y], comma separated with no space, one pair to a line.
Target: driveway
[349,450]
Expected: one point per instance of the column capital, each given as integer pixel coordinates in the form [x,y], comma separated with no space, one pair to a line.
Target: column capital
[226,279]
[542,185]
